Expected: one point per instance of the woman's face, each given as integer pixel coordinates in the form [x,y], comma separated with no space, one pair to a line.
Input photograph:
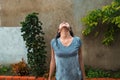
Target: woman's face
[64,29]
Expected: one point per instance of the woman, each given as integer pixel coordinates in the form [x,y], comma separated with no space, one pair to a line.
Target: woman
[66,55]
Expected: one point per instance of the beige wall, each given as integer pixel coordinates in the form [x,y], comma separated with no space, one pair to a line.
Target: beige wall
[51,13]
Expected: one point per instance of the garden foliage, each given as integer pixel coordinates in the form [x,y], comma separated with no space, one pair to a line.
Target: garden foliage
[108,17]
[34,39]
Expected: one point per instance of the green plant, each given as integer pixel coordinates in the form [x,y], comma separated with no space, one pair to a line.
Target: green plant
[34,39]
[108,18]
[100,73]
[20,68]
[4,69]
[91,73]
[116,75]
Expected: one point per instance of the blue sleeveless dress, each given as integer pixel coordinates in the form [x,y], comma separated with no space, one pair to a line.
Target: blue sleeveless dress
[66,59]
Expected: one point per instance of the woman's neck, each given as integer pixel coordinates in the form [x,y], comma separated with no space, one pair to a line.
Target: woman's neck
[65,36]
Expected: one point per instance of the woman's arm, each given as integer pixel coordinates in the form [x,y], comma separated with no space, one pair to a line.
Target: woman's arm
[52,65]
[81,63]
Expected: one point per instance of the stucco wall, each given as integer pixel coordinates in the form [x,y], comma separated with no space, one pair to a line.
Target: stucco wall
[12,46]
[51,13]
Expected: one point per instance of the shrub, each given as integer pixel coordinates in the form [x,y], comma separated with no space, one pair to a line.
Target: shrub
[20,68]
[100,73]
[5,70]
[34,39]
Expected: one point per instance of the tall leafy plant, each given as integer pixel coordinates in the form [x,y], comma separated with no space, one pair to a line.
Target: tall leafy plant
[109,15]
[34,39]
